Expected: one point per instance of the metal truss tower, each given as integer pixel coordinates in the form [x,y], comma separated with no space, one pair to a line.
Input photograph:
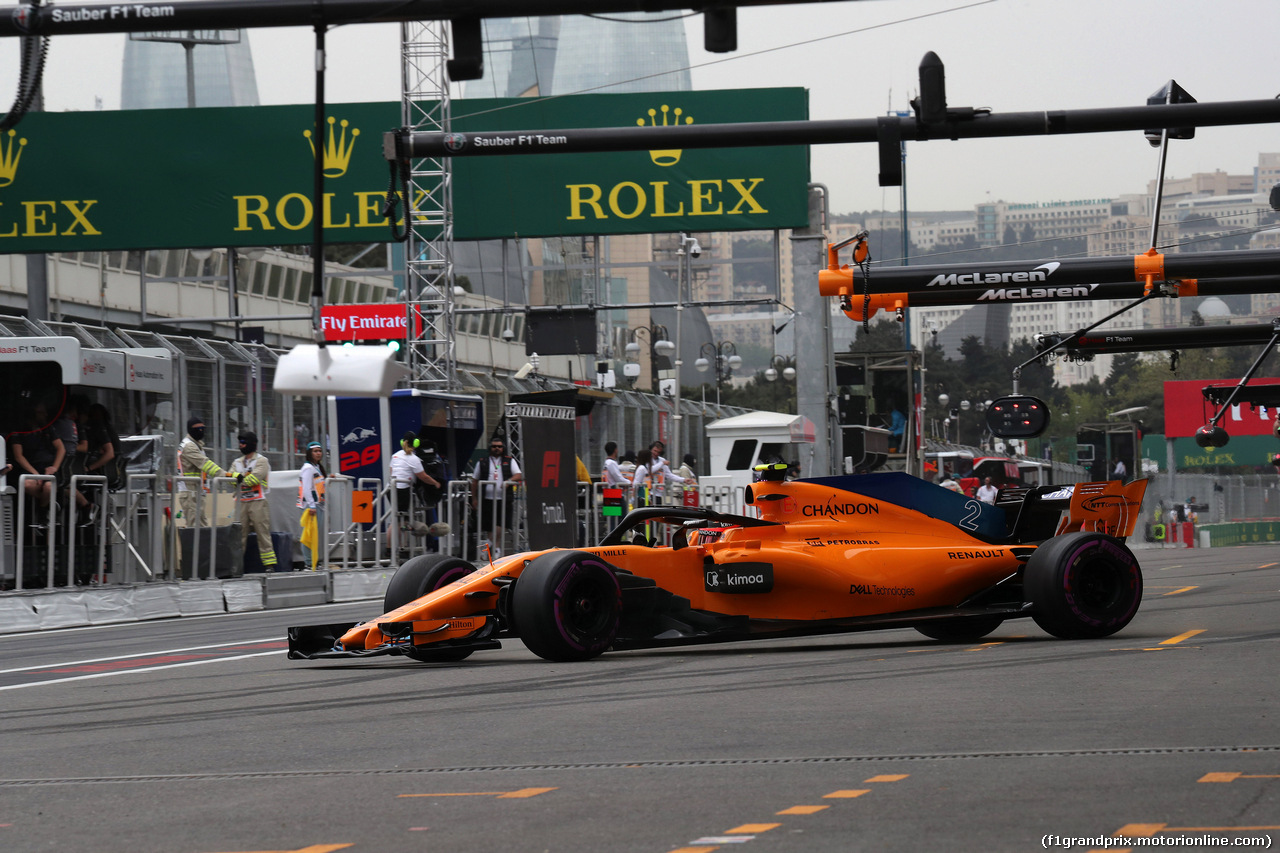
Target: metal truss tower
[429,276]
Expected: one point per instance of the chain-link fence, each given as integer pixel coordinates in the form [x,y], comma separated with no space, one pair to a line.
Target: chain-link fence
[1216,498]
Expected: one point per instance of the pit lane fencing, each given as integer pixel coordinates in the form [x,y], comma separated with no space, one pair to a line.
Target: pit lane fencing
[148,531]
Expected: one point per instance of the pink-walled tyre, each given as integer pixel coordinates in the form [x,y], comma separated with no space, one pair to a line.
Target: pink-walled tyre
[1083,586]
[567,606]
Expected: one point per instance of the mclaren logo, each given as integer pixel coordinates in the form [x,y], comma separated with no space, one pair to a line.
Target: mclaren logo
[1018,294]
[1040,273]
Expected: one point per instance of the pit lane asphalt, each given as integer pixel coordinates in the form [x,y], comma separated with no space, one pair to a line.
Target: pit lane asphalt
[198,736]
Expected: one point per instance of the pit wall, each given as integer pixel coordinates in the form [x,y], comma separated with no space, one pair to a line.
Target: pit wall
[83,606]
[1237,533]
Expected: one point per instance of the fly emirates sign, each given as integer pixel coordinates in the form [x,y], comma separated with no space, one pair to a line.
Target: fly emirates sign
[363,322]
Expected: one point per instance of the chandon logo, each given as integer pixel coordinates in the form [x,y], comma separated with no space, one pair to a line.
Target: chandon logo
[836,509]
[1040,273]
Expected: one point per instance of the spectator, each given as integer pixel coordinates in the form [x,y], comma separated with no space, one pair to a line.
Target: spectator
[627,464]
[1119,471]
[67,428]
[37,450]
[613,475]
[407,472]
[497,472]
[99,451]
[100,443]
[987,492]
[311,499]
[897,428]
[433,464]
[687,467]
[192,460]
[949,483]
[252,472]
[653,473]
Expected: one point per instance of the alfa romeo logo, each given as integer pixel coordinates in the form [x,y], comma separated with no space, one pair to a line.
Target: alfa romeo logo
[455,142]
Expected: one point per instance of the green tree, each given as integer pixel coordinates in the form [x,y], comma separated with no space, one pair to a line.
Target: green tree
[881,336]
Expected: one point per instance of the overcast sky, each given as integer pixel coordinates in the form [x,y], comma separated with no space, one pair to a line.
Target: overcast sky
[1007,55]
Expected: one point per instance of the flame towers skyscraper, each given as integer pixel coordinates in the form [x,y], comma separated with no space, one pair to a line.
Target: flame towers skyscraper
[155,74]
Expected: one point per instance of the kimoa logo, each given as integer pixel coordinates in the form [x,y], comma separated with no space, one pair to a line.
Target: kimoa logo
[670,118]
[10,154]
[337,149]
[1040,273]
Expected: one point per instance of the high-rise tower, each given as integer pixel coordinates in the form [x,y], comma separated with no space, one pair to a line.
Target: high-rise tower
[155,73]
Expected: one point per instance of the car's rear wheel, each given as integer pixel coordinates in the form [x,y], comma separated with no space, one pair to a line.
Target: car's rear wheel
[960,630]
[1083,586]
[416,578]
[567,606]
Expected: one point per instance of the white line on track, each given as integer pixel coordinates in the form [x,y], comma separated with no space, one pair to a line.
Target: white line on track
[135,671]
[146,655]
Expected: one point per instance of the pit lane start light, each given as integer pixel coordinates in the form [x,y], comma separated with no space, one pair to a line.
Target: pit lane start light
[1018,417]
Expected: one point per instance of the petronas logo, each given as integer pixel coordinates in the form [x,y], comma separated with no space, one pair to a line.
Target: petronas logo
[337,149]
[670,118]
[10,154]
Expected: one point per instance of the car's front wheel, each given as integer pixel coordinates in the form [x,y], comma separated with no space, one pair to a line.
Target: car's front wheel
[567,606]
[416,578]
[1083,586]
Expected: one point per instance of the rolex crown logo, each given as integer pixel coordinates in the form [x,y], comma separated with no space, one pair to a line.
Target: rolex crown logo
[10,154]
[337,148]
[666,156]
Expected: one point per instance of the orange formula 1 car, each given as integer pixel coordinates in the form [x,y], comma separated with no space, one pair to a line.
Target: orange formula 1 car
[826,555]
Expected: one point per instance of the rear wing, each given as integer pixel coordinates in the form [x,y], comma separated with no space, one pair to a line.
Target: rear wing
[1108,507]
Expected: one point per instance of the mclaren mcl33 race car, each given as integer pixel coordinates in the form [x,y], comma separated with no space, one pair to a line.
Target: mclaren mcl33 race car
[825,555]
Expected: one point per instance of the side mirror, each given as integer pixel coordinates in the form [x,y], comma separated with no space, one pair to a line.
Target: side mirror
[1017,417]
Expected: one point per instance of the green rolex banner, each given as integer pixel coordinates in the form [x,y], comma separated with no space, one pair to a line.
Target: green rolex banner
[226,176]
[242,176]
[631,192]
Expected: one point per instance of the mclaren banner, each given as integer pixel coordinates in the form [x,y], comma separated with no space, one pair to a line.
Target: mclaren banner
[242,176]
